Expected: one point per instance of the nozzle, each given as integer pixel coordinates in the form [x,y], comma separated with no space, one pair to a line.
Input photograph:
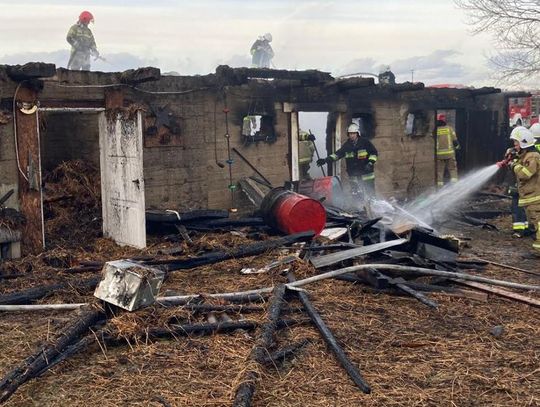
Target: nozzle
[502,164]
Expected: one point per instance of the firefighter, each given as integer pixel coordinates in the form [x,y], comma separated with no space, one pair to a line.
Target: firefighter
[520,225]
[535,130]
[262,52]
[360,158]
[82,43]
[527,170]
[447,144]
[306,148]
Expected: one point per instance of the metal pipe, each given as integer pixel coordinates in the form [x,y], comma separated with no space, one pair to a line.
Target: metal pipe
[72,109]
[230,161]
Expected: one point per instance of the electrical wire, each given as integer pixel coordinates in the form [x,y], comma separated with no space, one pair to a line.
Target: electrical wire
[15,131]
[113,85]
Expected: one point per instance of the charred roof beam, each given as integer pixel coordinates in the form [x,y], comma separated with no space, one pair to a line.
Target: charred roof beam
[31,70]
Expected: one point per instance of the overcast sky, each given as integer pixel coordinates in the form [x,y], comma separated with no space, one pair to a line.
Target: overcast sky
[193,37]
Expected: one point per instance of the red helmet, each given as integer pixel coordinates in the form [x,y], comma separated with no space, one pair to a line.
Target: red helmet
[441,117]
[86,17]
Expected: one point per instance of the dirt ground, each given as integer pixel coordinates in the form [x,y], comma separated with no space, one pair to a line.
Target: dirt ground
[410,355]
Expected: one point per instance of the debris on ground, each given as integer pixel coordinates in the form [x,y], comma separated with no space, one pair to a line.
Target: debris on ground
[250,315]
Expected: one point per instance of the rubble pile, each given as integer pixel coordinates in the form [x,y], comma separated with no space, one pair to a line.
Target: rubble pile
[249,316]
[72,204]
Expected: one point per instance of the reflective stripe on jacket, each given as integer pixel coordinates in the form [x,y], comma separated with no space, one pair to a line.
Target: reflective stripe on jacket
[81,39]
[357,155]
[527,170]
[446,136]
[305,151]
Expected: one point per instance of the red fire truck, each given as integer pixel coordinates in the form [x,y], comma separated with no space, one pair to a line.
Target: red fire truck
[524,111]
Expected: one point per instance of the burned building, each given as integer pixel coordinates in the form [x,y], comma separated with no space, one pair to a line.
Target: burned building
[184,142]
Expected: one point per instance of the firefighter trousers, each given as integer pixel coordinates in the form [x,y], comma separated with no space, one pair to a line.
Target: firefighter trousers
[533,214]
[360,187]
[442,165]
[519,217]
[304,171]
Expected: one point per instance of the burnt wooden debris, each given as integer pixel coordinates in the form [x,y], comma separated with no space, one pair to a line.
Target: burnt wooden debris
[278,357]
[330,339]
[333,258]
[37,293]
[37,362]
[248,250]
[246,389]
[204,329]
[31,70]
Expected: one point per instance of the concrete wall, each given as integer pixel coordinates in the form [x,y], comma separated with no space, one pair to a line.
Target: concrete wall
[8,163]
[184,175]
[187,177]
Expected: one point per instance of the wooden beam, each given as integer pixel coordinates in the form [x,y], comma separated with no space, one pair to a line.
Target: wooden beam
[334,258]
[29,160]
[31,70]
[499,291]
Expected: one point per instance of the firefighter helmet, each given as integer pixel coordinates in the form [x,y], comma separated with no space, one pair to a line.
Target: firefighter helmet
[353,128]
[268,37]
[441,117]
[523,136]
[303,135]
[86,17]
[535,130]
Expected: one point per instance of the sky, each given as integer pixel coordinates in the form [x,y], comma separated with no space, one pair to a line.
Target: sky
[423,40]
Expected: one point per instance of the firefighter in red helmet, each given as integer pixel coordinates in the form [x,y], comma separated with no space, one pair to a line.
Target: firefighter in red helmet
[82,42]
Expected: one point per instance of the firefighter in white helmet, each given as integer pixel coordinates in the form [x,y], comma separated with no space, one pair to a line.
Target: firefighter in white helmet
[535,130]
[527,170]
[360,158]
[262,52]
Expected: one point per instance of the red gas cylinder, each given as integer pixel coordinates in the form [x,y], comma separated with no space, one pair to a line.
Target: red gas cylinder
[291,213]
[328,187]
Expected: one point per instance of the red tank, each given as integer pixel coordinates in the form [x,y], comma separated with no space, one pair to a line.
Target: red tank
[328,187]
[291,213]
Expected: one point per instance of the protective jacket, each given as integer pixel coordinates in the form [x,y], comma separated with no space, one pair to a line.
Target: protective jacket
[305,151]
[81,39]
[357,155]
[446,138]
[527,170]
[261,53]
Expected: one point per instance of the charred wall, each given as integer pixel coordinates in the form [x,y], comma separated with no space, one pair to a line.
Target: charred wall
[185,128]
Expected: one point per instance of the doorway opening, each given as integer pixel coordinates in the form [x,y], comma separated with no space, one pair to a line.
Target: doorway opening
[71,182]
[314,123]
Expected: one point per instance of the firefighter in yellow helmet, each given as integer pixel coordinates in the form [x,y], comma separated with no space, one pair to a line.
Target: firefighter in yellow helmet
[447,144]
[527,170]
[306,148]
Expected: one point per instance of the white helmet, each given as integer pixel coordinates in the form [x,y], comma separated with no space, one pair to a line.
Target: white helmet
[268,37]
[353,128]
[535,130]
[524,136]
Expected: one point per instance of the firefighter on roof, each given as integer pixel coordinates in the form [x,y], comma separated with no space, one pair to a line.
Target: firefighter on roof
[262,52]
[82,43]
[447,144]
[360,158]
